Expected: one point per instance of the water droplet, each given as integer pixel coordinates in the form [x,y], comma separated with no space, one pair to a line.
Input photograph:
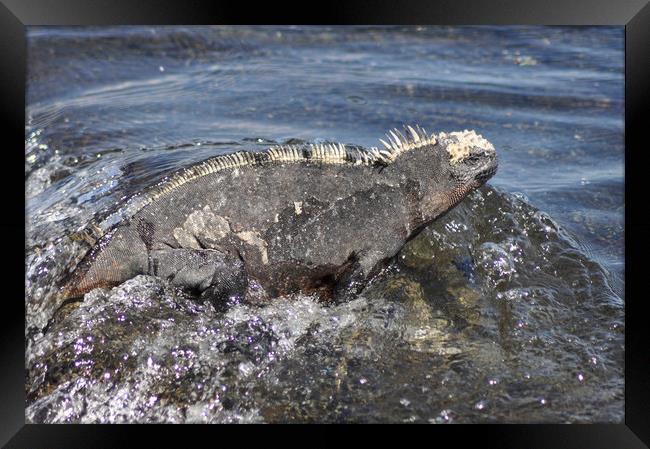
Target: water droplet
[446,415]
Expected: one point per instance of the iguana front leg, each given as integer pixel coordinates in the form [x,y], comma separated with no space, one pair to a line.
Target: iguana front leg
[213,274]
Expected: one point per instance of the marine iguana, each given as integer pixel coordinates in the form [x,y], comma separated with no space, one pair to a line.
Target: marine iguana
[292,217]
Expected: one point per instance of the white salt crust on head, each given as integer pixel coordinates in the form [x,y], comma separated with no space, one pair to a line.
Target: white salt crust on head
[459,143]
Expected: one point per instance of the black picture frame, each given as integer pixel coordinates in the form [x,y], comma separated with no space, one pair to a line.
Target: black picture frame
[634,15]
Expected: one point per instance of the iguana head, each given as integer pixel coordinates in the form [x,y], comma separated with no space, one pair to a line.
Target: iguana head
[472,159]
[441,169]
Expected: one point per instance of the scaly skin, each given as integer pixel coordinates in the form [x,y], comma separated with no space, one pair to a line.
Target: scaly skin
[313,217]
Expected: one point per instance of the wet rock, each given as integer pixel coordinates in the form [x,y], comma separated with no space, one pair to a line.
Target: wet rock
[495,264]
[418,253]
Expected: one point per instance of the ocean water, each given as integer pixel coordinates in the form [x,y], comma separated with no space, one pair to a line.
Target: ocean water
[509,309]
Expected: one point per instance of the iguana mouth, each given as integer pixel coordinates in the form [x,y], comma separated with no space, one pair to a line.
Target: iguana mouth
[487,172]
[489,168]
